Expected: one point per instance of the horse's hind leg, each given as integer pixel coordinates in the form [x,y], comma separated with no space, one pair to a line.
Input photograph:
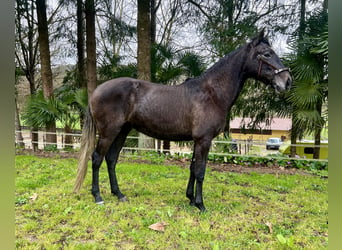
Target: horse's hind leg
[97,157]
[108,135]
[111,159]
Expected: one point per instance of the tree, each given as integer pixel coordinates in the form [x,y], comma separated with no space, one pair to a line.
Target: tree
[115,31]
[40,111]
[227,24]
[170,66]
[81,73]
[144,54]
[18,134]
[301,31]
[73,103]
[26,50]
[310,89]
[46,73]
[66,105]
[115,36]
[90,46]
[144,40]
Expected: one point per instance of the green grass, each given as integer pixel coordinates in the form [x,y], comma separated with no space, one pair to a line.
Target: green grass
[245,211]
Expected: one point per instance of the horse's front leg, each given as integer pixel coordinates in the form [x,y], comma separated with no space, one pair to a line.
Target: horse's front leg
[191,182]
[201,154]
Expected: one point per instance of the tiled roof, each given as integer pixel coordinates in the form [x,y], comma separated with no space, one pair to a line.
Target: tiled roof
[276,124]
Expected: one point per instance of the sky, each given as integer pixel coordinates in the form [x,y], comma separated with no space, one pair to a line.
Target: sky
[186,36]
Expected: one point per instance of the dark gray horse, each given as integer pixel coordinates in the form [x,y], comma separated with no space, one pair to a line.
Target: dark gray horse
[194,110]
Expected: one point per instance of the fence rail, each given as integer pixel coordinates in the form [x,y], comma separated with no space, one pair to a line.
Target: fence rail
[248,148]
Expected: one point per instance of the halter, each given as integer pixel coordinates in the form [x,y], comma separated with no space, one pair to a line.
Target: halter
[263,59]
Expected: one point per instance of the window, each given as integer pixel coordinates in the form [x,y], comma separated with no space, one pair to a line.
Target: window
[308,150]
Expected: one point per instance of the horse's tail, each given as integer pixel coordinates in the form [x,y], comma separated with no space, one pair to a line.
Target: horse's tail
[87,147]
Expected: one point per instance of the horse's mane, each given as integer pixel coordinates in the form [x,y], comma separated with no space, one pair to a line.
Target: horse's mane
[224,60]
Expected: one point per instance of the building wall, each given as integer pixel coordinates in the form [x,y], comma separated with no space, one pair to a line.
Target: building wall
[261,137]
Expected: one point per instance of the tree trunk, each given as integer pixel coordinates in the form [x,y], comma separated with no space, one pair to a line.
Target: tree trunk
[90,46]
[293,151]
[144,40]
[19,137]
[153,21]
[46,73]
[166,147]
[302,25]
[144,55]
[226,131]
[317,148]
[81,72]
[68,137]
[318,131]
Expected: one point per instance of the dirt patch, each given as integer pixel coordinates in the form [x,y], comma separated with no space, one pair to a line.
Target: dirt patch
[220,167]
[47,154]
[257,169]
[235,168]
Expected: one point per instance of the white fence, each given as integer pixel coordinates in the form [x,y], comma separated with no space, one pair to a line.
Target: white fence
[250,148]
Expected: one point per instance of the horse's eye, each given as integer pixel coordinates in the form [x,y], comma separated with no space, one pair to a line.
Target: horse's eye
[267,55]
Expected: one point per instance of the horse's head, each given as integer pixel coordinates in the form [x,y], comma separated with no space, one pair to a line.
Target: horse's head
[265,65]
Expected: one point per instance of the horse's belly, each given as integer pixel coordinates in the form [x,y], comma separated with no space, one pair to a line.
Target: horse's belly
[165,136]
[163,127]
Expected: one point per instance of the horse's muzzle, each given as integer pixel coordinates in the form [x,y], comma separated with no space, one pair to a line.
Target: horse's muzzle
[282,81]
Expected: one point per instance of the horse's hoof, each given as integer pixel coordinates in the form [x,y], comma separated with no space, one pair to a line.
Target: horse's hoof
[99,202]
[123,199]
[201,207]
[203,210]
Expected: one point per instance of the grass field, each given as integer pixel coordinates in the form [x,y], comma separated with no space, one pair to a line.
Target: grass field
[245,211]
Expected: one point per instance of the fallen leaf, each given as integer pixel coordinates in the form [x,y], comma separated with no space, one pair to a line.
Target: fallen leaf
[269,224]
[34,197]
[281,239]
[159,226]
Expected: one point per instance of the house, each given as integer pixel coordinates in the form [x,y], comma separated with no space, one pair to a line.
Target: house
[277,127]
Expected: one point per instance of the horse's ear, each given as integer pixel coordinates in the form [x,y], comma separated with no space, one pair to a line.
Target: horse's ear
[259,38]
[262,34]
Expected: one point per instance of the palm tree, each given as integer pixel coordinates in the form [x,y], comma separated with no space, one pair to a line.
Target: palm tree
[310,88]
[170,65]
[74,102]
[66,107]
[40,111]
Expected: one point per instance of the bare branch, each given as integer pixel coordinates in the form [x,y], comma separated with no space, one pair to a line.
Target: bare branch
[201,10]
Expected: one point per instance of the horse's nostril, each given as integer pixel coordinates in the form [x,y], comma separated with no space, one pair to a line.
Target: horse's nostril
[288,83]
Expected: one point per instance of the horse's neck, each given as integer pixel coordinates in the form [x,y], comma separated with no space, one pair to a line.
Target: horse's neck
[227,77]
